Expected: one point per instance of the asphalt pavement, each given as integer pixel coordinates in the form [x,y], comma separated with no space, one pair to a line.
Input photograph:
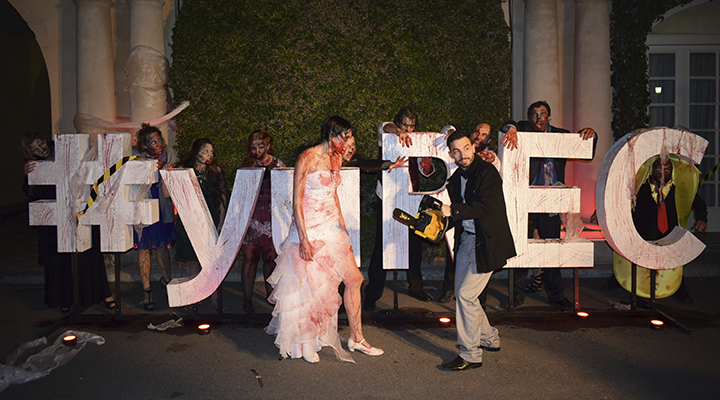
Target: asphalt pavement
[545,354]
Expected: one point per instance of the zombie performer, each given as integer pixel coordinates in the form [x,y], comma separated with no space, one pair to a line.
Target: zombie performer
[211,178]
[316,257]
[403,126]
[665,196]
[92,277]
[160,235]
[544,172]
[258,239]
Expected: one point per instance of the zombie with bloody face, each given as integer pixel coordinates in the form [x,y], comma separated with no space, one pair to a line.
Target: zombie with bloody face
[92,278]
[258,239]
[160,235]
[404,125]
[316,257]
[202,159]
[665,199]
[543,172]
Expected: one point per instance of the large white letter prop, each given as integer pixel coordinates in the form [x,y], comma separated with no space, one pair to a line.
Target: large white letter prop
[113,209]
[216,254]
[521,199]
[282,210]
[616,180]
[69,151]
[397,192]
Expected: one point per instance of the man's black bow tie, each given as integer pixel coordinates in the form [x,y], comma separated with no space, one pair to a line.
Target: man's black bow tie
[462,172]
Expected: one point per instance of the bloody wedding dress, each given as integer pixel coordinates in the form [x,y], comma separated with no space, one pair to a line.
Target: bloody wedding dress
[306,292]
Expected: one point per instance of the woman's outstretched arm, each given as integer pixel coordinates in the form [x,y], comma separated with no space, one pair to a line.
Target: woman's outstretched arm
[302,169]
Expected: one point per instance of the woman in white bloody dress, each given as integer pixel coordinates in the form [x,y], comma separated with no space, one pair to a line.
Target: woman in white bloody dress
[316,257]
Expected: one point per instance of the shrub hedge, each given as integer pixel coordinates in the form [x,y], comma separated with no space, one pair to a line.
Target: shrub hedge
[630,24]
[285,66]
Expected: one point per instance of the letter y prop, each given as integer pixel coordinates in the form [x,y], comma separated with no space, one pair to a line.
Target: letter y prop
[216,253]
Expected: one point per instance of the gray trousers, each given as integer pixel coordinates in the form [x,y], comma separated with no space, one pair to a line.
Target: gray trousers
[473,328]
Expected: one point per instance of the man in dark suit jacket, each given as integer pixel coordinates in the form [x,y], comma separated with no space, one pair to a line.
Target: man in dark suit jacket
[544,172]
[483,243]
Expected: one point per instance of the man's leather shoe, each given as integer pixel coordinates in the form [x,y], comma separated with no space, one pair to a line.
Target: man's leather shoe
[421,295]
[369,305]
[563,304]
[459,364]
[447,296]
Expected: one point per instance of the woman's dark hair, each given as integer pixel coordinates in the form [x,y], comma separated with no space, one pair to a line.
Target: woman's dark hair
[27,140]
[142,137]
[334,126]
[258,134]
[188,160]
[215,173]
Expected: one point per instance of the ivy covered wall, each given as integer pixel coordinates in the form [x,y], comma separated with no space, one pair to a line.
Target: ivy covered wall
[285,66]
[630,24]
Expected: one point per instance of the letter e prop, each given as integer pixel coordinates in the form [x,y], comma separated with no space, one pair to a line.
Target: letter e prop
[521,199]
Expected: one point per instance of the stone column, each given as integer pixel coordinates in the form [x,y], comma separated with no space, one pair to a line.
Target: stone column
[146,24]
[95,72]
[146,29]
[592,98]
[541,61]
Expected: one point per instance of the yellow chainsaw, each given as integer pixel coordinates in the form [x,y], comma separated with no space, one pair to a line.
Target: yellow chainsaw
[428,223]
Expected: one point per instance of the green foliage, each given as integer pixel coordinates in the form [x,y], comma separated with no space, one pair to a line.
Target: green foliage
[286,66]
[630,23]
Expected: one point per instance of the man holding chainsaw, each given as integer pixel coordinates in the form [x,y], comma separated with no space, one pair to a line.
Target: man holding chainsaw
[483,243]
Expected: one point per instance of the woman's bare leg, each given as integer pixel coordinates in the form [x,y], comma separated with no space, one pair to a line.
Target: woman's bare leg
[144,266]
[250,257]
[353,281]
[269,256]
[163,259]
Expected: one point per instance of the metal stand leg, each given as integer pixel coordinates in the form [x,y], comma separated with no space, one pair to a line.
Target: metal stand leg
[653,277]
[633,287]
[396,309]
[576,287]
[76,284]
[511,289]
[118,290]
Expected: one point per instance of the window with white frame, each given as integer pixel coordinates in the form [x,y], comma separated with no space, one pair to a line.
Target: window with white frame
[684,89]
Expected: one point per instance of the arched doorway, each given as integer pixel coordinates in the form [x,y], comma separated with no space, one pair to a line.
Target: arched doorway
[24,100]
